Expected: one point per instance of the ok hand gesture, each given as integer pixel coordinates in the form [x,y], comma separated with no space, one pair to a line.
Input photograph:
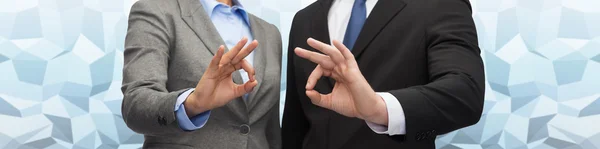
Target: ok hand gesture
[216,87]
[352,95]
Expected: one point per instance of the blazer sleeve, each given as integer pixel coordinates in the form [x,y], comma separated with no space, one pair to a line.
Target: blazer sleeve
[294,124]
[454,97]
[148,107]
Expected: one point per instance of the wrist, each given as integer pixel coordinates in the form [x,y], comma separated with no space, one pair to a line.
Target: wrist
[381,114]
[192,107]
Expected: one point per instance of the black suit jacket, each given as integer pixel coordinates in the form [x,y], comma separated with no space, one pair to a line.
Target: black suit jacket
[424,52]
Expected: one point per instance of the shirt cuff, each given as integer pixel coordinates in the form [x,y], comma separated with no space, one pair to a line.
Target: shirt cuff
[396,120]
[185,122]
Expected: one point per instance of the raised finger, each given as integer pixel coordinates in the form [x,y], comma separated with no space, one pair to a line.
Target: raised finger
[227,68]
[214,63]
[245,52]
[331,51]
[315,57]
[344,50]
[228,57]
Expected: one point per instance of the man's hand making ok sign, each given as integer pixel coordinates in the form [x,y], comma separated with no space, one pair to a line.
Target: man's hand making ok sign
[352,95]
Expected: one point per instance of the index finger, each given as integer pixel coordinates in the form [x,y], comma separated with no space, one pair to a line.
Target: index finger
[314,77]
[249,69]
[315,57]
[331,51]
[228,57]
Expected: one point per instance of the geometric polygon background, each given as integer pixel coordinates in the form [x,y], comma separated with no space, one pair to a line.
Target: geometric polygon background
[60,74]
[61,63]
[542,60]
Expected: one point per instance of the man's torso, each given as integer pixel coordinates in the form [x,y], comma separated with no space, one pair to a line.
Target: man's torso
[391,51]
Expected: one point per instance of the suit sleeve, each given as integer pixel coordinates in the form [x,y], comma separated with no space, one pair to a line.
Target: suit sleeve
[454,97]
[148,107]
[294,125]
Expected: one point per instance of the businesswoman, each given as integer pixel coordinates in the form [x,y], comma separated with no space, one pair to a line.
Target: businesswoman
[201,74]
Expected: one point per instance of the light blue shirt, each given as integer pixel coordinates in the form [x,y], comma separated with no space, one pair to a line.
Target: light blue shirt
[232,23]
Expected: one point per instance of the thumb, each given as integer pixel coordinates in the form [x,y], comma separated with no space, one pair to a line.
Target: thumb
[318,99]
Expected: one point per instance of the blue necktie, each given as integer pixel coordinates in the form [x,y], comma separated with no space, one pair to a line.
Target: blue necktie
[357,19]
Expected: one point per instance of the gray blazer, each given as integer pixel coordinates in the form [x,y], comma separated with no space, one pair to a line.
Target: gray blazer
[168,46]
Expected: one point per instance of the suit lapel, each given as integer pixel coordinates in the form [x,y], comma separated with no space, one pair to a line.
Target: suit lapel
[194,15]
[320,28]
[319,25]
[383,12]
[380,16]
[259,63]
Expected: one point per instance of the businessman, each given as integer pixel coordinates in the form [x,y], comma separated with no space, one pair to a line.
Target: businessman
[195,76]
[381,74]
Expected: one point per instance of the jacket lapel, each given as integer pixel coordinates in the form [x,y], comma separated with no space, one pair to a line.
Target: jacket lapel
[319,24]
[380,16]
[194,15]
[259,63]
[320,29]
[383,12]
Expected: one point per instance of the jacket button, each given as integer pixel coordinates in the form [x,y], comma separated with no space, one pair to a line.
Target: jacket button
[162,120]
[244,129]
[433,134]
[419,136]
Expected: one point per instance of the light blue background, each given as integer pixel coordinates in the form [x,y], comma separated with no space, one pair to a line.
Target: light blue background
[61,61]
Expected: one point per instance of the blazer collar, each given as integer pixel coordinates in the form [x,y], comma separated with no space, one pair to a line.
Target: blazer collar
[260,61]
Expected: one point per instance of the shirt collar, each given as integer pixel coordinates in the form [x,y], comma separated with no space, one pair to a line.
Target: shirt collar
[210,5]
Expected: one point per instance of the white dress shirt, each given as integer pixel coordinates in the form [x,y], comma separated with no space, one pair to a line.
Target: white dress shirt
[337,19]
